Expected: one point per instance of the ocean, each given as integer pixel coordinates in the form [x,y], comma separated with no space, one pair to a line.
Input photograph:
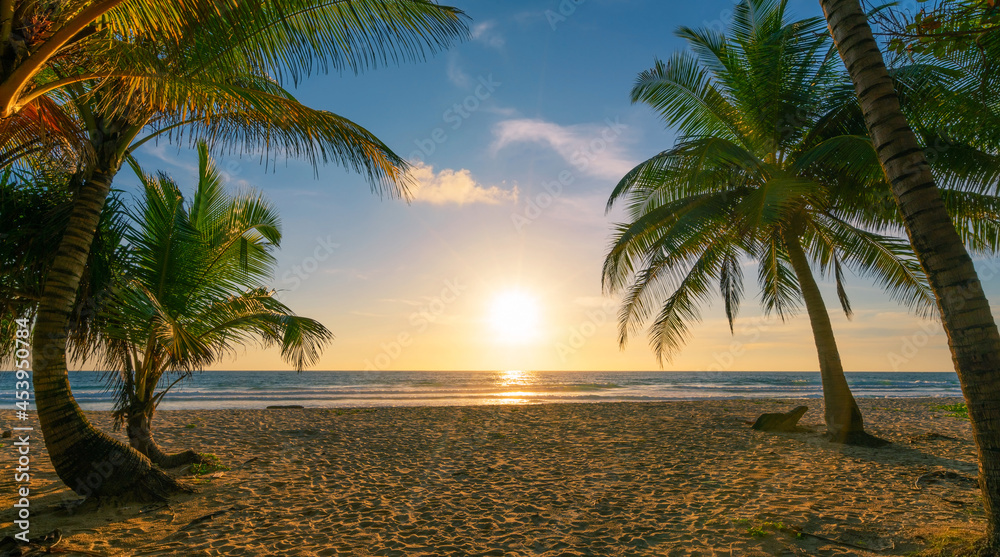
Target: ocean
[259,389]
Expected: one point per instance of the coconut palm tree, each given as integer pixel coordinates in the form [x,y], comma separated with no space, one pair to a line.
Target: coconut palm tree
[965,312]
[755,174]
[192,290]
[287,39]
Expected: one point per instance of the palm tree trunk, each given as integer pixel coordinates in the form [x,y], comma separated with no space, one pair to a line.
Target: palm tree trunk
[844,422]
[965,311]
[85,459]
[138,423]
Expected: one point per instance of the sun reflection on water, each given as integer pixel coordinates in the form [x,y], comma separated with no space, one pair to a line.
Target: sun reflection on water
[515,377]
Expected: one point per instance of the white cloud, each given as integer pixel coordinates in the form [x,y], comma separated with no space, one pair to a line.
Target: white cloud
[593,149]
[455,187]
[455,74]
[486,34]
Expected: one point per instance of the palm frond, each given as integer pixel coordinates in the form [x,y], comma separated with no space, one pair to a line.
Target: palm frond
[669,330]
[778,284]
[685,96]
[888,260]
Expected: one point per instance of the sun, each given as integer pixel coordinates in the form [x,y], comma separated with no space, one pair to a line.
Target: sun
[514,317]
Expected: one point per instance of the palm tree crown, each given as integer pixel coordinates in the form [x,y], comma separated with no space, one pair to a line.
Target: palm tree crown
[193,284]
[755,169]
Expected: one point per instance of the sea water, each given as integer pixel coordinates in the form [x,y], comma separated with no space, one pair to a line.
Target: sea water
[259,389]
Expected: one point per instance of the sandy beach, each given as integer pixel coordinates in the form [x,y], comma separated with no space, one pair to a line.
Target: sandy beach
[672,478]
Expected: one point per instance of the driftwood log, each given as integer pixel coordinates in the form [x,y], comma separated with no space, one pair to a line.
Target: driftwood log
[780,421]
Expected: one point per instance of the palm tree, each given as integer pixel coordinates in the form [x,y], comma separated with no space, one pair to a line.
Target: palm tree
[965,312]
[284,38]
[191,291]
[755,174]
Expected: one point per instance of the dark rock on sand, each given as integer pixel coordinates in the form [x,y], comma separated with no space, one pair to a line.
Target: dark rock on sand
[778,421]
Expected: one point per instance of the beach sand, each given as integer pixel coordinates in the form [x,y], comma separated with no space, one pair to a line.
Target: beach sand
[672,478]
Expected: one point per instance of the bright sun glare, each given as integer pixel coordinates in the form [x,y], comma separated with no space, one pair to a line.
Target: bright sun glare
[514,317]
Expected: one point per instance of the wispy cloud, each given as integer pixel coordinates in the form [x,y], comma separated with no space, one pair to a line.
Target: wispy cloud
[593,149]
[455,73]
[456,187]
[487,34]
[170,154]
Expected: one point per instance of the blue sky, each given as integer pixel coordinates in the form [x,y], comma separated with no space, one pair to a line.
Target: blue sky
[517,137]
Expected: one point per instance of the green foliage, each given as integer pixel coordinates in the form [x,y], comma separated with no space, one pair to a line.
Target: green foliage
[210,463]
[943,28]
[760,529]
[35,212]
[33,219]
[956,44]
[958,410]
[950,543]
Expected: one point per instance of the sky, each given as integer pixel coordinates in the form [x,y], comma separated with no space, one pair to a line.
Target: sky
[517,138]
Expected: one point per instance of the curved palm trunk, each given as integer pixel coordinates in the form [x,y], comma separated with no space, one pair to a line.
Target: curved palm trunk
[965,311]
[85,459]
[844,422]
[138,423]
